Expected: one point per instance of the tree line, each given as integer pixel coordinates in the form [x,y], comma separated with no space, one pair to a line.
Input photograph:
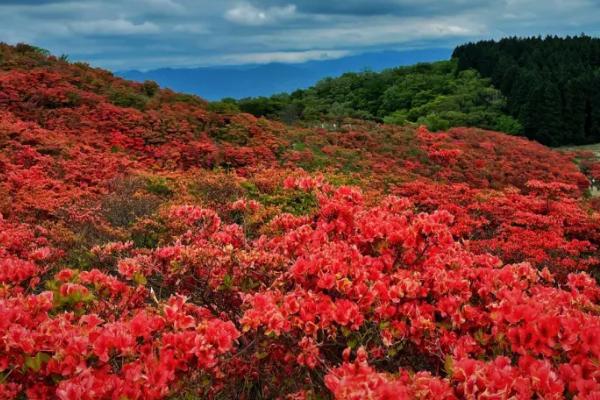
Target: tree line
[437,95]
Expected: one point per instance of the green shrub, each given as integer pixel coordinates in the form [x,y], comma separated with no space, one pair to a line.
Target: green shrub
[150,88]
[125,97]
[295,202]
[159,186]
[223,107]
[26,48]
[80,257]
[508,124]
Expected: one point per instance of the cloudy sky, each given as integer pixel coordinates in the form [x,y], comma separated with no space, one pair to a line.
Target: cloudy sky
[145,34]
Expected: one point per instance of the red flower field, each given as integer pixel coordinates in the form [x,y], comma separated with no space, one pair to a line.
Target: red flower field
[150,248]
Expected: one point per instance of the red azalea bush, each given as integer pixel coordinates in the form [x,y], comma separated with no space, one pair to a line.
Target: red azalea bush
[152,249]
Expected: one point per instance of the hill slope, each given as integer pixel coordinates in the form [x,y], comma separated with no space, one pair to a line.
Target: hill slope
[437,95]
[150,248]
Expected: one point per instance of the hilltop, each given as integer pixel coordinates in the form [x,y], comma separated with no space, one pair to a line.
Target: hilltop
[543,88]
[151,247]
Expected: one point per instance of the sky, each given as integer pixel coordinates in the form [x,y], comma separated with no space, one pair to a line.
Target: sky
[147,34]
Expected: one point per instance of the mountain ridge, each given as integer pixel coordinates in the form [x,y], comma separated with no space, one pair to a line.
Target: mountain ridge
[248,80]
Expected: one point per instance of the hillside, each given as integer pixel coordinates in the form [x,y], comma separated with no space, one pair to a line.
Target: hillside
[437,95]
[151,248]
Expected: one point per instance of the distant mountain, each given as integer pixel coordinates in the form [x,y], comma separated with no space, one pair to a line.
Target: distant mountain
[214,83]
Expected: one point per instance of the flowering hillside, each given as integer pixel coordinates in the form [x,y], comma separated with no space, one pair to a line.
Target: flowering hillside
[150,249]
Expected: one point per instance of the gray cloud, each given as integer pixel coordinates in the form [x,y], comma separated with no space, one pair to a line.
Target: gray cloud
[112,27]
[145,34]
[386,7]
[31,2]
[248,14]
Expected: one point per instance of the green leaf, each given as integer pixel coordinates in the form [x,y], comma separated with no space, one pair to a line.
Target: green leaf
[449,365]
[139,278]
[384,325]
[353,343]
[35,363]
[227,282]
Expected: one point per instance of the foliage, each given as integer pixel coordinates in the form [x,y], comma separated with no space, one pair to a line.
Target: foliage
[225,106]
[128,98]
[436,95]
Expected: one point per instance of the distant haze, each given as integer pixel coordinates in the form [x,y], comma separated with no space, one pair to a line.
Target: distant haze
[213,83]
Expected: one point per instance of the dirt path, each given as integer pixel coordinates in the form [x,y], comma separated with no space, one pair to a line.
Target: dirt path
[594,148]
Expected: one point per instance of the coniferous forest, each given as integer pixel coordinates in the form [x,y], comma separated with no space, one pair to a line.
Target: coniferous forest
[552,84]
